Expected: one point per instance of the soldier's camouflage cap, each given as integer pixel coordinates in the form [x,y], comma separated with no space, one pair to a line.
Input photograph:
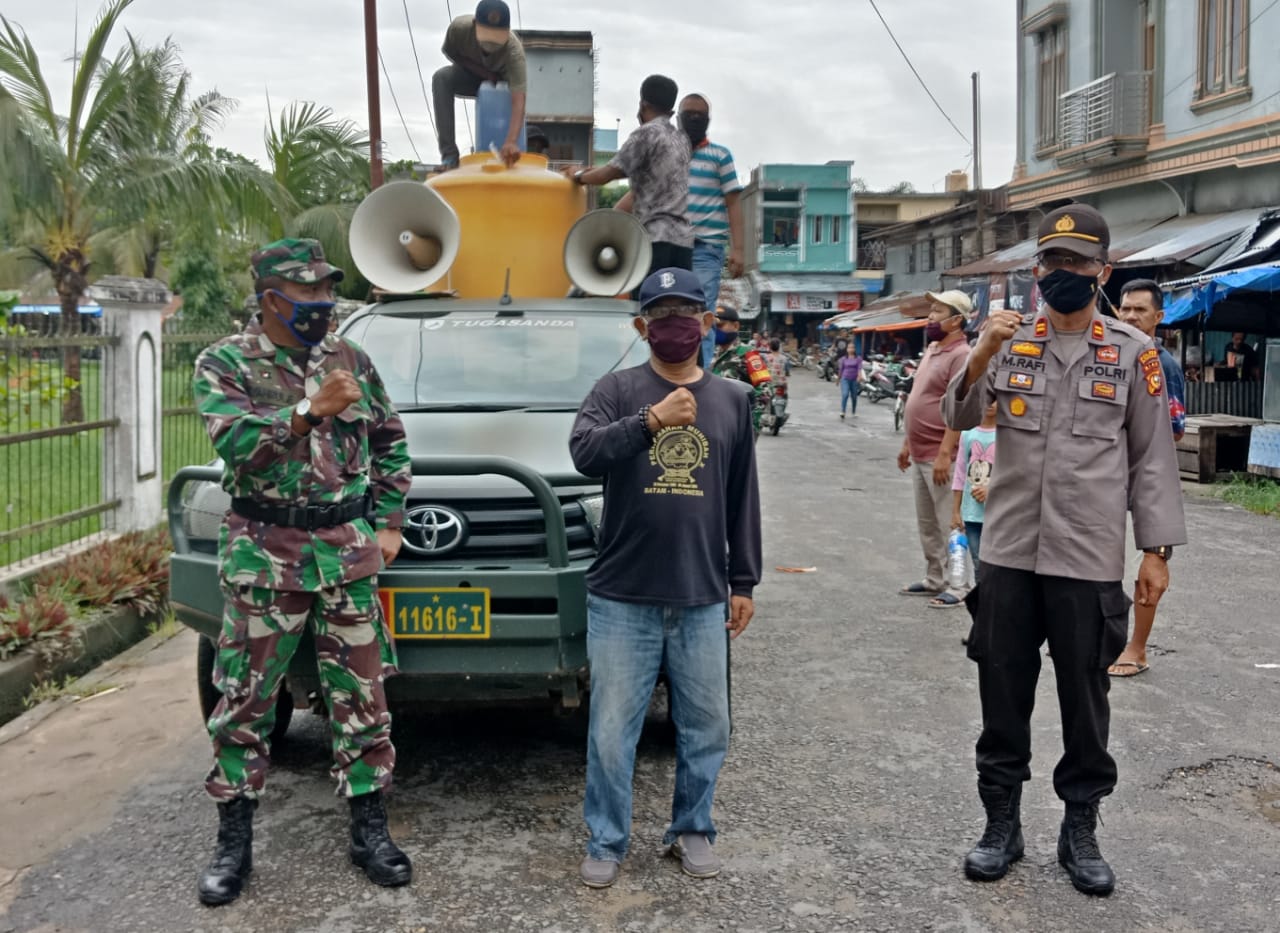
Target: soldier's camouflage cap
[294,260]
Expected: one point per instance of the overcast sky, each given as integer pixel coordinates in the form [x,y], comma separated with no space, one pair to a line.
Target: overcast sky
[788,81]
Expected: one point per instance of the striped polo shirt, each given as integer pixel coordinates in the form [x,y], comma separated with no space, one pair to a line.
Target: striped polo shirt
[711,177]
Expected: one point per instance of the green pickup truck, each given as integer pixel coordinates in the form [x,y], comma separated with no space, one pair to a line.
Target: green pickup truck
[487,600]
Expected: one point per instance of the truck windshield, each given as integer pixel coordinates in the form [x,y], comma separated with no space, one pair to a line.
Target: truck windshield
[476,360]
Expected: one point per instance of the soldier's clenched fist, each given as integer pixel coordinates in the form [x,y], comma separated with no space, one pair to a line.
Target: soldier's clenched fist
[678,408]
[338,390]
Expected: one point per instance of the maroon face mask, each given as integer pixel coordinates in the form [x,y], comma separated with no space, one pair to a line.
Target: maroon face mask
[674,339]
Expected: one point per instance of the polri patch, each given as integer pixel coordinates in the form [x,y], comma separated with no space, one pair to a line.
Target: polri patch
[1150,361]
[1108,355]
[1153,383]
[1105,390]
[1018,407]
[1027,348]
[1042,328]
[1024,381]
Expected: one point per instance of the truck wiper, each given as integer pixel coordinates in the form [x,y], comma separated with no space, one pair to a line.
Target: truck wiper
[461,406]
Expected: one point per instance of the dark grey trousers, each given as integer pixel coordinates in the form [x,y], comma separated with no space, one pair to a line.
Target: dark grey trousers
[448,84]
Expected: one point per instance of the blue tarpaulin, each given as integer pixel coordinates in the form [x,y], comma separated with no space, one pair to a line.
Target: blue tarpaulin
[1202,297]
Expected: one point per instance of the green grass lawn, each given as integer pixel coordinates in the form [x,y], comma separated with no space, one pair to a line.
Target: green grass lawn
[45,478]
[1255,493]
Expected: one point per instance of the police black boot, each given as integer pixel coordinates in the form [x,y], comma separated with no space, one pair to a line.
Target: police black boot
[371,845]
[1001,844]
[223,880]
[1078,851]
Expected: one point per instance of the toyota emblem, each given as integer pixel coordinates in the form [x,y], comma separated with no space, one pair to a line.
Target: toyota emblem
[433,530]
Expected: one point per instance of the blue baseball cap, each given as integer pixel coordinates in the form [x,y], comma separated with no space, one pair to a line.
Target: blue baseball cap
[671,283]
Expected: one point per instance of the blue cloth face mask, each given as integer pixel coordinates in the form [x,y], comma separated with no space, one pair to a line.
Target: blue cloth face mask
[307,320]
[724,337]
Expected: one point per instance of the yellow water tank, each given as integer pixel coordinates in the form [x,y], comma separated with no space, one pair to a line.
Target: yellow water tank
[512,219]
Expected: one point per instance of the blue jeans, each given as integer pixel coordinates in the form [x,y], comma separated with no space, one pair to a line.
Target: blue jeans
[708,261]
[626,644]
[973,532]
[849,395]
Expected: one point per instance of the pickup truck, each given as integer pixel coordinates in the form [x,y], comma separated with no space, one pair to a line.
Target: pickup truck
[487,600]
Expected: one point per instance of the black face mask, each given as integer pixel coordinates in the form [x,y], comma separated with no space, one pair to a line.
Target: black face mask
[694,125]
[1068,292]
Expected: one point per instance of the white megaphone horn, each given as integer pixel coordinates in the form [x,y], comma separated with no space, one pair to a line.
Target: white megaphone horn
[404,237]
[607,253]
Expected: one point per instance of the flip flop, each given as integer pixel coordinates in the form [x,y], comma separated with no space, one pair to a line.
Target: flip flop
[918,589]
[1138,668]
[945,600]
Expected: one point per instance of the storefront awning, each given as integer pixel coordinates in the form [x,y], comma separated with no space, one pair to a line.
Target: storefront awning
[1194,238]
[887,320]
[1202,294]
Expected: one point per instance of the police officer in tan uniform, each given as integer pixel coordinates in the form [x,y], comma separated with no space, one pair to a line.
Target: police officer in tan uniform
[1083,430]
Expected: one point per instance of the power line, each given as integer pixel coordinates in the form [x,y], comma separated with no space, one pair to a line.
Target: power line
[1240,32]
[392,89]
[917,74]
[421,81]
[519,15]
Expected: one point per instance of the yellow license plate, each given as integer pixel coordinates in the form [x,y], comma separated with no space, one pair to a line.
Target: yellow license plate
[438,613]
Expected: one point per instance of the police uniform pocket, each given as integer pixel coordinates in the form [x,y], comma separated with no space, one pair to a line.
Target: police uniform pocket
[1100,408]
[1114,631]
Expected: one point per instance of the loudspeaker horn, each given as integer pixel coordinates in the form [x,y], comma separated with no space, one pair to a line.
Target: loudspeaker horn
[404,237]
[607,253]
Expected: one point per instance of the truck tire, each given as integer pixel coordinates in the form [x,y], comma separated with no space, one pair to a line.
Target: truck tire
[210,695]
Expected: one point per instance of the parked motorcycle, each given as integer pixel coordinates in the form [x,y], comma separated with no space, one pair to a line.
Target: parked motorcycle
[880,384]
[900,406]
[775,416]
[829,365]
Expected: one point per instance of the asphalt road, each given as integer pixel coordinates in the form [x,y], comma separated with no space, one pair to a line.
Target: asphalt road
[847,802]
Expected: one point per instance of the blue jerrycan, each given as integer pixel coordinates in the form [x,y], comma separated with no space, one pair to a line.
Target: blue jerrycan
[493,117]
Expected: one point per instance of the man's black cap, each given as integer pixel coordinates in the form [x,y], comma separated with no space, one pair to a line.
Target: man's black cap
[493,14]
[727,314]
[1077,228]
[532,131]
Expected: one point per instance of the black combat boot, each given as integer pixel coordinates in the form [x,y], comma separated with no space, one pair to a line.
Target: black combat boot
[1078,851]
[223,880]
[371,845]
[1001,844]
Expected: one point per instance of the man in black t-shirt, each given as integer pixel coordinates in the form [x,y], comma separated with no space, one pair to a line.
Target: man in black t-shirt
[680,532]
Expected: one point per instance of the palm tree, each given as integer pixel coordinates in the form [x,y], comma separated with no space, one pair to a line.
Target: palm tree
[323,163]
[129,158]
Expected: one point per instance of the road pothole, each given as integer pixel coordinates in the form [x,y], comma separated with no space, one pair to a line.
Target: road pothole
[1229,783]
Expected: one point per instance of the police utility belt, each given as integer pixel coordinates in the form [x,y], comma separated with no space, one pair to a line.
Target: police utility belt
[309,517]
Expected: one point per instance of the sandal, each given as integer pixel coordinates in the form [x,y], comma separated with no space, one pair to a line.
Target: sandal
[945,600]
[919,588]
[1138,668]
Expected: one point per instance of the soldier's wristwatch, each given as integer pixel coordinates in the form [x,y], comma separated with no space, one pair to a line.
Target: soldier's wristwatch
[303,410]
[1164,551]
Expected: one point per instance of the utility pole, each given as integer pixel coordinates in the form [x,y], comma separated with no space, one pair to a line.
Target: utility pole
[371,80]
[977,163]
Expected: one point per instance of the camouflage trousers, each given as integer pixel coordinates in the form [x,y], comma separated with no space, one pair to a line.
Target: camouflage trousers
[261,629]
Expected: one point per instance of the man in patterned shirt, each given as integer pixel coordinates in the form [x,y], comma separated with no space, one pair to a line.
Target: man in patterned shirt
[656,160]
[715,208]
[315,459]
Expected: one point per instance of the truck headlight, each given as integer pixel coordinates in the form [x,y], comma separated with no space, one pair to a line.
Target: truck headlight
[593,506]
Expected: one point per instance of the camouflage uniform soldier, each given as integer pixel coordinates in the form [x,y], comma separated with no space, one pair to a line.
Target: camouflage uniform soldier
[318,469]
[735,360]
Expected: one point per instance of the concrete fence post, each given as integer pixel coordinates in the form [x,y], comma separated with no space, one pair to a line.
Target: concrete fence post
[131,371]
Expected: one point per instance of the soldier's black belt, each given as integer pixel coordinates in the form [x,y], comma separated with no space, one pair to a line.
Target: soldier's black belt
[309,517]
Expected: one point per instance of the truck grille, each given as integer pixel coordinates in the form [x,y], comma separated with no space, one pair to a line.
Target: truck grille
[484,530]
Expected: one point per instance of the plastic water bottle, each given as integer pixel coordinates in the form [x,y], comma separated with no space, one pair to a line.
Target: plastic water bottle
[957,559]
[493,117]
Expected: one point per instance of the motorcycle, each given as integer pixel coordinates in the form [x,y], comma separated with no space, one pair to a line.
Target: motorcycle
[904,389]
[829,365]
[775,416]
[881,383]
